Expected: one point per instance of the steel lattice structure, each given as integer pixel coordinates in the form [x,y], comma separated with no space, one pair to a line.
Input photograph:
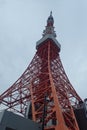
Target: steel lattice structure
[45,78]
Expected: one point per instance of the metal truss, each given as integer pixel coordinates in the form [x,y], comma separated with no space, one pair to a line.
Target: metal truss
[44,78]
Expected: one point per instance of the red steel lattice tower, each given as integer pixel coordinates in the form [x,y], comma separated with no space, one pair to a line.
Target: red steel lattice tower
[45,86]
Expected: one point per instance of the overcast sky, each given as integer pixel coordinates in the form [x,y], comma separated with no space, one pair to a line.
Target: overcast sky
[21,25]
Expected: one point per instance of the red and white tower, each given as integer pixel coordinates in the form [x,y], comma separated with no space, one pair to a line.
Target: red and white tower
[44,89]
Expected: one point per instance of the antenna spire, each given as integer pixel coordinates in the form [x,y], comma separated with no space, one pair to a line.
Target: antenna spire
[49,28]
[50,13]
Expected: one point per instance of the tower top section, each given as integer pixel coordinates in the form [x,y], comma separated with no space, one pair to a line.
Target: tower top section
[49,28]
[50,20]
[49,32]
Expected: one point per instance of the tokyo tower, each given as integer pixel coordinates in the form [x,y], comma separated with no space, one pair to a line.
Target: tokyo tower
[44,93]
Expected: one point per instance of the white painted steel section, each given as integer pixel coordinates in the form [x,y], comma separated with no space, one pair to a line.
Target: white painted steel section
[48,36]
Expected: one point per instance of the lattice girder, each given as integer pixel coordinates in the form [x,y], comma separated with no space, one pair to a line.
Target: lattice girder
[44,90]
[45,76]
